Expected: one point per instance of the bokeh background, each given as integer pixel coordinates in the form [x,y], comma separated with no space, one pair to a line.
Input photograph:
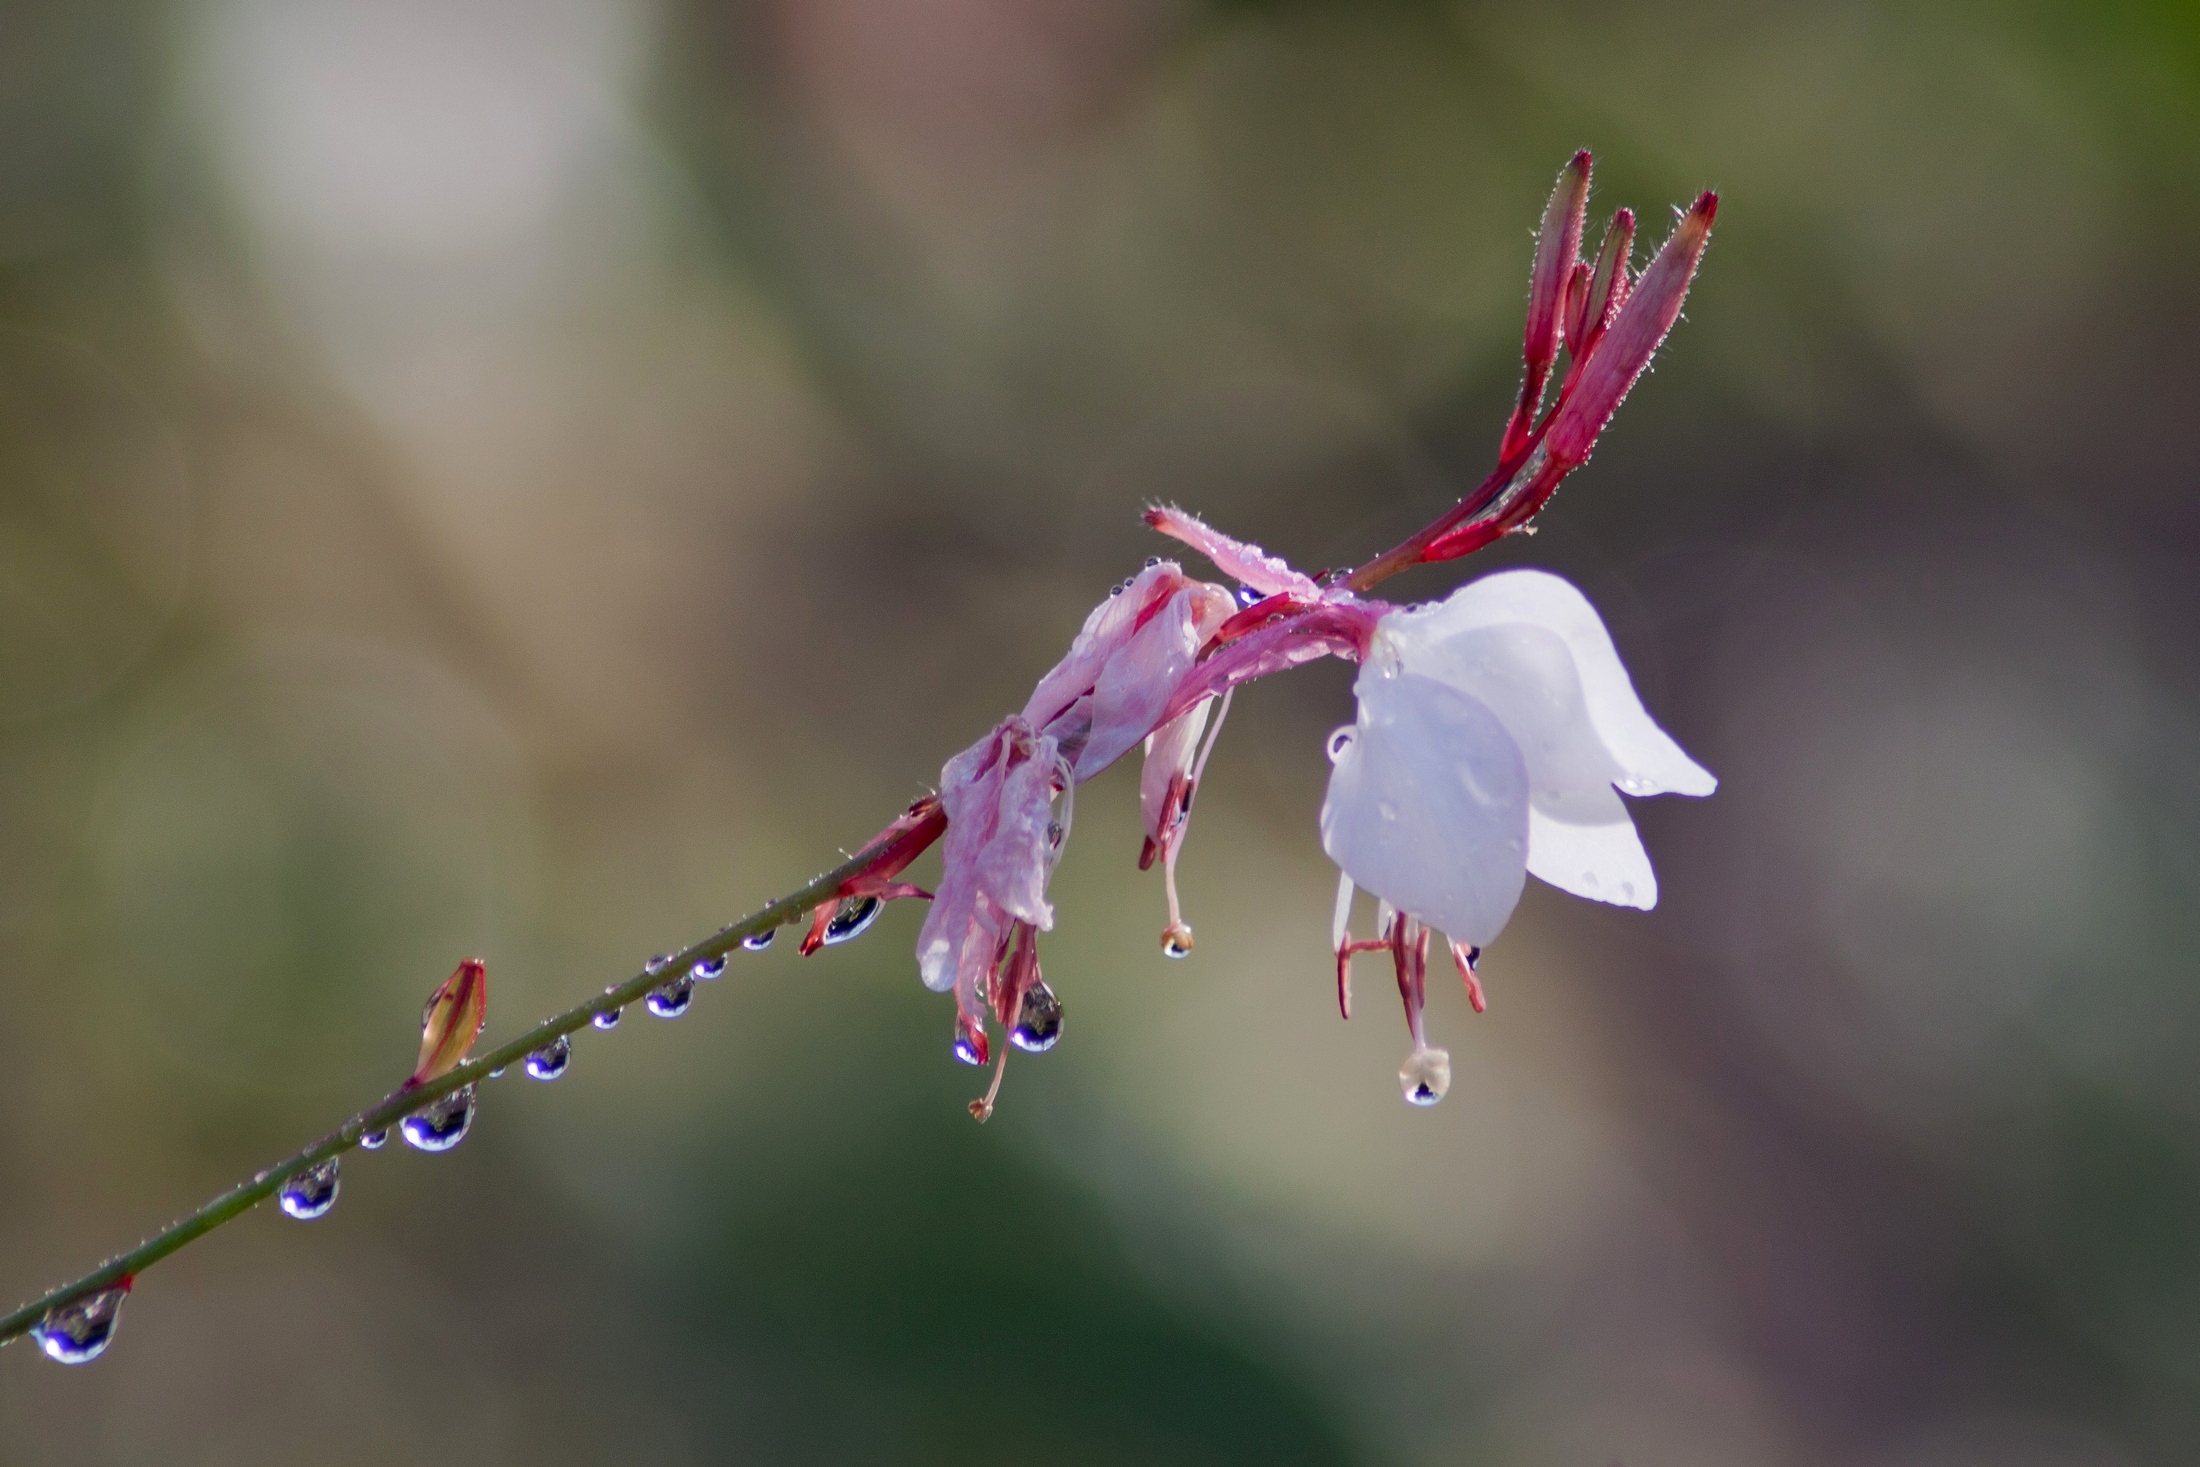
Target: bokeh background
[536,479]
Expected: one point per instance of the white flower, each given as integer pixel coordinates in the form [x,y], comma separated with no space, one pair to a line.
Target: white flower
[1496,729]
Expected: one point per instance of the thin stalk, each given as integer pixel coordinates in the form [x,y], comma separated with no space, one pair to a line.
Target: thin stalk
[263,1184]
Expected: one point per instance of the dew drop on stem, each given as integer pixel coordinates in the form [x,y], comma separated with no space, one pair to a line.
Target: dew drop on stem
[550,1061]
[609,1019]
[853,919]
[708,970]
[77,1332]
[657,964]
[374,1140]
[672,1000]
[311,1193]
[442,1124]
[756,942]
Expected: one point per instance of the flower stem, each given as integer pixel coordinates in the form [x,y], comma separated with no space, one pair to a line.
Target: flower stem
[263,1184]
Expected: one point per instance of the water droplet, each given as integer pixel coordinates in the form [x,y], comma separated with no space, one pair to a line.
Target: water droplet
[1425,1076]
[1152,561]
[497,1073]
[658,963]
[1339,741]
[609,1019]
[550,1061]
[76,1332]
[1589,880]
[1176,940]
[1247,595]
[1627,891]
[1039,1025]
[758,941]
[1117,590]
[853,918]
[443,1124]
[672,1000]
[708,970]
[969,1048]
[310,1193]
[374,1140]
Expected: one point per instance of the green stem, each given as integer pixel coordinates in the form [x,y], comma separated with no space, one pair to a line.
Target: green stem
[247,1195]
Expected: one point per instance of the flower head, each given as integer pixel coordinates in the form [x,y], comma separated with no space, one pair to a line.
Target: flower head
[1495,732]
[1496,729]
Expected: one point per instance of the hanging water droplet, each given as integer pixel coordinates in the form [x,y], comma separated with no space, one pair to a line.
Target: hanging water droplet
[310,1193]
[497,1073]
[672,1000]
[1176,940]
[374,1140]
[1054,835]
[1425,1076]
[1039,1024]
[708,970]
[658,963]
[609,1019]
[549,1062]
[756,942]
[1247,595]
[969,1048]
[853,919]
[76,1332]
[443,1124]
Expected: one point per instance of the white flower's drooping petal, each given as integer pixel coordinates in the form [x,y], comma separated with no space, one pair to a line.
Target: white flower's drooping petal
[1441,641]
[1135,682]
[1428,805]
[1017,859]
[1585,843]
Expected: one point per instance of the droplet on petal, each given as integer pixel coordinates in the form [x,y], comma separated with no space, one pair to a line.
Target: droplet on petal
[853,919]
[77,1332]
[1425,1076]
[970,1047]
[1176,940]
[1039,1024]
[756,942]
[311,1193]
[442,1124]
[550,1061]
[672,1000]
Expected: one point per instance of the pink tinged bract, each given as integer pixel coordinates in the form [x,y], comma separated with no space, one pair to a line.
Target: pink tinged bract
[1428,804]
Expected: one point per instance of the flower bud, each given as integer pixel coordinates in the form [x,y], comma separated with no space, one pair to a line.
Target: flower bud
[452,1020]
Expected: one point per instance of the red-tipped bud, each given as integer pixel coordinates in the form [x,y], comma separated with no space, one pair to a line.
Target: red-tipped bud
[452,1020]
[1577,308]
[1557,247]
[1608,288]
[1632,338]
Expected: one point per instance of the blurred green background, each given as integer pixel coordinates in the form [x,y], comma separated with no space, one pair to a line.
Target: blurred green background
[535,479]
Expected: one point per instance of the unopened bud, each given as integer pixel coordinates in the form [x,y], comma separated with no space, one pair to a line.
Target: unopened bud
[452,1020]
[1633,337]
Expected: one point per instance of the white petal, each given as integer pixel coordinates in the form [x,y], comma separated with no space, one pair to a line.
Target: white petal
[1169,751]
[1511,670]
[1586,844]
[1428,807]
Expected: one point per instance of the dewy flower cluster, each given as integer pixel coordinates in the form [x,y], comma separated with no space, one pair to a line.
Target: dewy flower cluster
[1495,733]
